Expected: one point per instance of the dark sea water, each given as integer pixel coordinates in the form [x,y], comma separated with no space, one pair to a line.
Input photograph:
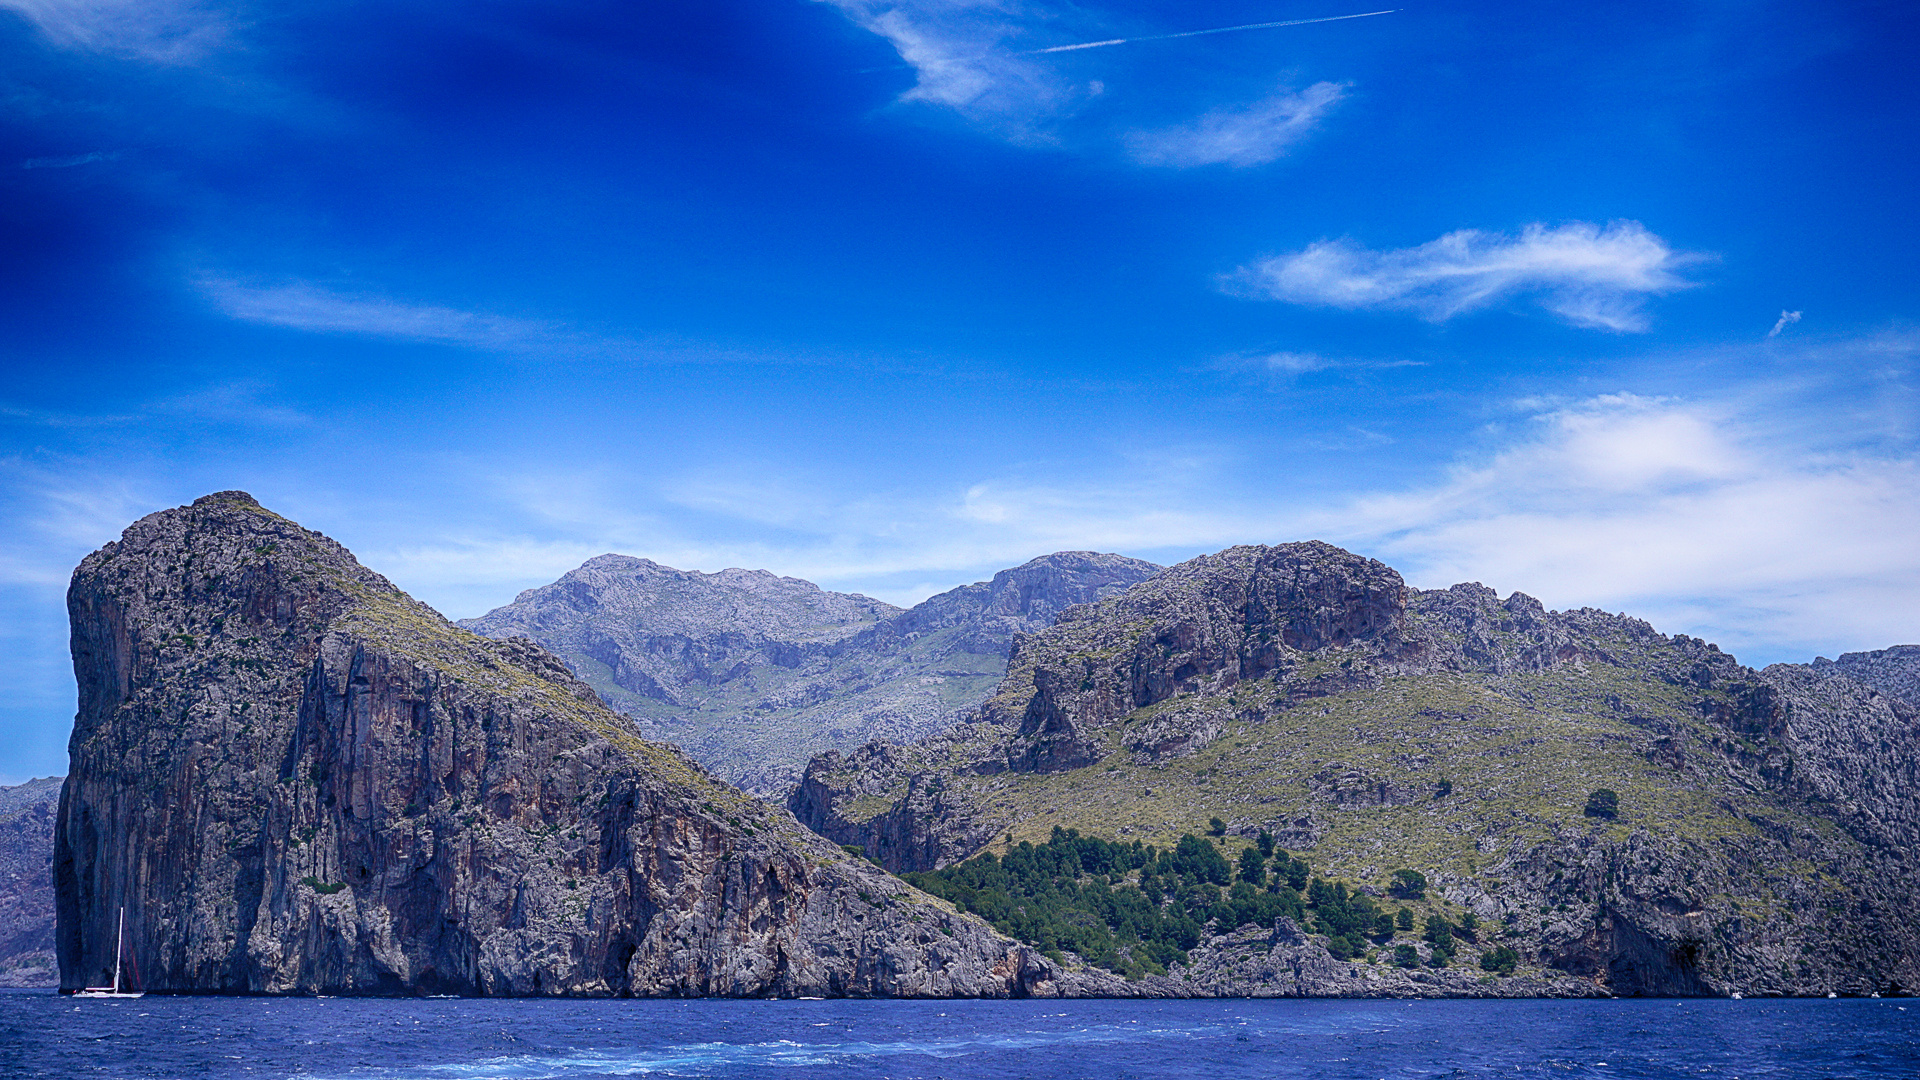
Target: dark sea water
[42,1035]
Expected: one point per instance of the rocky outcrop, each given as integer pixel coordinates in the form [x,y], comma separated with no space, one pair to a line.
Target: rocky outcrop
[752,674]
[1894,672]
[1840,744]
[1026,598]
[1285,961]
[292,778]
[1768,818]
[26,882]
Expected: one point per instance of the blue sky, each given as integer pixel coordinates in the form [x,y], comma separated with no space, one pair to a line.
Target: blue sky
[1613,304]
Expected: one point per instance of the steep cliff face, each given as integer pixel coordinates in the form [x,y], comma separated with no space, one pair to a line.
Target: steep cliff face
[1766,819]
[26,882]
[295,779]
[753,674]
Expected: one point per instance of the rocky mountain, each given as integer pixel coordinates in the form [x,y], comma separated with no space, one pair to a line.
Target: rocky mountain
[26,882]
[293,778]
[1894,672]
[1635,812]
[752,673]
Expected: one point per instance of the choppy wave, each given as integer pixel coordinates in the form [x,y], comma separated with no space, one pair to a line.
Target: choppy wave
[697,1059]
[43,1037]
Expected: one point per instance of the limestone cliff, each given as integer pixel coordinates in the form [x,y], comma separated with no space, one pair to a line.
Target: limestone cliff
[1766,822]
[294,778]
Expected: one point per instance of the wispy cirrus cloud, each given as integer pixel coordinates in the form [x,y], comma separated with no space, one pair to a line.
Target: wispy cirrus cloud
[1250,135]
[1013,68]
[303,306]
[1288,363]
[159,31]
[967,56]
[70,161]
[317,309]
[1590,275]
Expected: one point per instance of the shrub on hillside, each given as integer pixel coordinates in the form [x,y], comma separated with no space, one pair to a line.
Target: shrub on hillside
[1603,803]
[1409,885]
[1500,960]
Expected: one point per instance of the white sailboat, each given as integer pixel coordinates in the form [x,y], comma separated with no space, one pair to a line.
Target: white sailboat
[114,991]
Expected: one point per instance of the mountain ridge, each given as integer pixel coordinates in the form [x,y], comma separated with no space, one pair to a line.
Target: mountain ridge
[768,670]
[1306,692]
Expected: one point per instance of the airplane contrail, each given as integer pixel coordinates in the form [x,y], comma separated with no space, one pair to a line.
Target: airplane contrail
[1197,33]
[1163,37]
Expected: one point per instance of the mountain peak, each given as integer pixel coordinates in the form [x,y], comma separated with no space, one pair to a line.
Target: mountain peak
[293,778]
[753,672]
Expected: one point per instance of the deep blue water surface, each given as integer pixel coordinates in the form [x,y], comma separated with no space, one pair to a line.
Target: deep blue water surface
[42,1035]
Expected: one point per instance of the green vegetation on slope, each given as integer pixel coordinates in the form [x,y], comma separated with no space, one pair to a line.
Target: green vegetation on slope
[1135,909]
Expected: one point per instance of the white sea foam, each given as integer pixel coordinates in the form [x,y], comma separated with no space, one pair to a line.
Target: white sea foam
[705,1057]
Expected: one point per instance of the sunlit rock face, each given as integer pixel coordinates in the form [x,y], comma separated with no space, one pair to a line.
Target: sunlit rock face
[293,778]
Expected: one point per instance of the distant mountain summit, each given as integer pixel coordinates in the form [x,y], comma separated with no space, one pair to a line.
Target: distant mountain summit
[753,673]
[666,635]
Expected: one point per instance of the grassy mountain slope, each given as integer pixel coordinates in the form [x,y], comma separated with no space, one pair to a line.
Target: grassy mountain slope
[1764,818]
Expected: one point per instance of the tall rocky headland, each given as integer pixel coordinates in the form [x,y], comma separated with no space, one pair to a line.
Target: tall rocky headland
[1764,837]
[752,673]
[293,778]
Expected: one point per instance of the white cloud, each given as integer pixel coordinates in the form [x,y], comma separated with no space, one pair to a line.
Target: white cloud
[959,52]
[1252,135]
[1284,364]
[71,161]
[53,516]
[1293,363]
[302,306]
[1787,318]
[1586,274]
[316,309]
[1697,517]
[161,31]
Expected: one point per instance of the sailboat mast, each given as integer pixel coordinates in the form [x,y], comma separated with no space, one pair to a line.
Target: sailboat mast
[119,943]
